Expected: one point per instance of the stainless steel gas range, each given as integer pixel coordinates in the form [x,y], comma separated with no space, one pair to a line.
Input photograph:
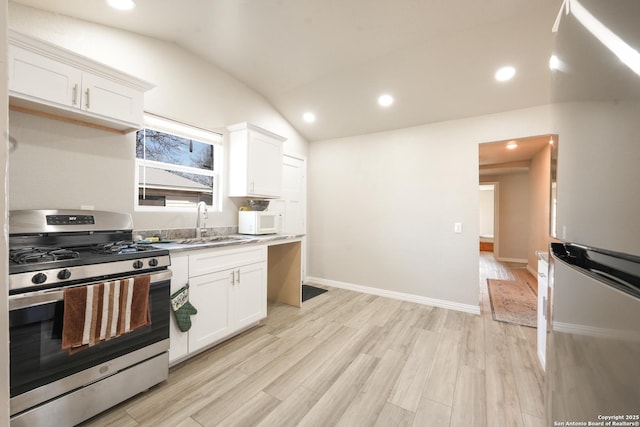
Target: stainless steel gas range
[88,314]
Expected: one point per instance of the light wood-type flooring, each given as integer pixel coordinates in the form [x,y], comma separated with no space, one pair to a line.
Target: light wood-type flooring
[352,359]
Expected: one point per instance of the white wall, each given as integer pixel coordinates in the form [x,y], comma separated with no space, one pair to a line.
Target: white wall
[540,205]
[599,173]
[486,203]
[514,214]
[187,89]
[382,207]
[4,253]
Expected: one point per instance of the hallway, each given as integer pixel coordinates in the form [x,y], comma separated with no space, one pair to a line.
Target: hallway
[492,269]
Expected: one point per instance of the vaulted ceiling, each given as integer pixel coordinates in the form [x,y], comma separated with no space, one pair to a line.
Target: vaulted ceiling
[436,58]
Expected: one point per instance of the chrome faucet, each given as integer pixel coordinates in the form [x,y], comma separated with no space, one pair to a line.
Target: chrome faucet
[201,220]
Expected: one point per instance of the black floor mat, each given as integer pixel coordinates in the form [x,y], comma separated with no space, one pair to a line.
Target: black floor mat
[309,292]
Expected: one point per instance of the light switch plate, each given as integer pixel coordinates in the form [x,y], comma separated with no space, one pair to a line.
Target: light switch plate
[457,227]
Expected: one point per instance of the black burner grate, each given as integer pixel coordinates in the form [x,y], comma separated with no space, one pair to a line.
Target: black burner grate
[121,247]
[40,254]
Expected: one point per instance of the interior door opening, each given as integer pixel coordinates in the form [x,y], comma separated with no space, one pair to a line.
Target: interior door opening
[487,217]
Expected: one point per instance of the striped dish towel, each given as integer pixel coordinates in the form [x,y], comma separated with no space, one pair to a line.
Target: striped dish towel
[96,313]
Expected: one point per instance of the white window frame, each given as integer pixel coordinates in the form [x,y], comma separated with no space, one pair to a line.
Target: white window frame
[173,127]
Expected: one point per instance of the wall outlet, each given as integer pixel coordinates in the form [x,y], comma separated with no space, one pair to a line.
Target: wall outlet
[457,227]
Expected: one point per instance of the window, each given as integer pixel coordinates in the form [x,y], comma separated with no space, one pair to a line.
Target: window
[177,165]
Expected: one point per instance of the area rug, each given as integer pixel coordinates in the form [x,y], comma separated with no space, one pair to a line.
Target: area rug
[513,302]
[309,292]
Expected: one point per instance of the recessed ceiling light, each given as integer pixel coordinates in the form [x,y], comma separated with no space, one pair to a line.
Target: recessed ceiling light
[512,145]
[385,100]
[309,117]
[551,141]
[121,4]
[554,63]
[505,73]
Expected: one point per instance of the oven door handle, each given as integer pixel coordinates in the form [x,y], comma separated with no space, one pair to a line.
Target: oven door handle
[31,299]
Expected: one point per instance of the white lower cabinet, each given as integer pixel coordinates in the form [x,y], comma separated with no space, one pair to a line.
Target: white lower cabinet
[249,295]
[229,290]
[543,272]
[210,294]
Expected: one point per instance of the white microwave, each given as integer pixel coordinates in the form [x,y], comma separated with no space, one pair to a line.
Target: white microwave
[257,222]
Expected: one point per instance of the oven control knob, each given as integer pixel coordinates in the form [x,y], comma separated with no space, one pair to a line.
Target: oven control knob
[138,264]
[39,278]
[64,274]
[153,262]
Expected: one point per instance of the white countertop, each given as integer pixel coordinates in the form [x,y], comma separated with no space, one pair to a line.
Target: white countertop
[218,241]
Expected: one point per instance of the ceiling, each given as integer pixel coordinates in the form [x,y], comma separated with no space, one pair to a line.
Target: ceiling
[496,159]
[335,57]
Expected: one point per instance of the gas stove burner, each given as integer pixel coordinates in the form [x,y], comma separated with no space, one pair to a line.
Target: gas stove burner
[41,254]
[121,247]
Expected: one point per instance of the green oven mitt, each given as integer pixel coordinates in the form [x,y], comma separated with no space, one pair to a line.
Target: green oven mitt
[182,308]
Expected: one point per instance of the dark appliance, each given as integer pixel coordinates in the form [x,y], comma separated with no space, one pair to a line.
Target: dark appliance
[49,251]
[593,348]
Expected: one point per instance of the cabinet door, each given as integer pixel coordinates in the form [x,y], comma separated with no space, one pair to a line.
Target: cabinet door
[209,294]
[249,294]
[37,77]
[264,165]
[179,346]
[110,99]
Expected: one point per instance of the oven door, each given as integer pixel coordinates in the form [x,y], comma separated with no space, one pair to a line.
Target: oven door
[41,370]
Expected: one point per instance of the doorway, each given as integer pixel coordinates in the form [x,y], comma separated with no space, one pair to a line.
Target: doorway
[518,172]
[487,216]
[522,169]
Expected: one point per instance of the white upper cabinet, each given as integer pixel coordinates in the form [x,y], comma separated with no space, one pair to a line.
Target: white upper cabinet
[255,162]
[110,99]
[61,84]
[36,76]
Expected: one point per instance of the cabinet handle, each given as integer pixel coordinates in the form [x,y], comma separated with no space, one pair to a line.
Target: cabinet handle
[74,100]
[542,275]
[544,307]
[87,98]
[238,280]
[233,277]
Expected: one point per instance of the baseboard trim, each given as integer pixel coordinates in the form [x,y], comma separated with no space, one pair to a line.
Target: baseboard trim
[533,272]
[467,308]
[518,260]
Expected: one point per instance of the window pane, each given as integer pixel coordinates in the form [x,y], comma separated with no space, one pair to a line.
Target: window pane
[152,197]
[164,187]
[163,147]
[176,170]
[152,177]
